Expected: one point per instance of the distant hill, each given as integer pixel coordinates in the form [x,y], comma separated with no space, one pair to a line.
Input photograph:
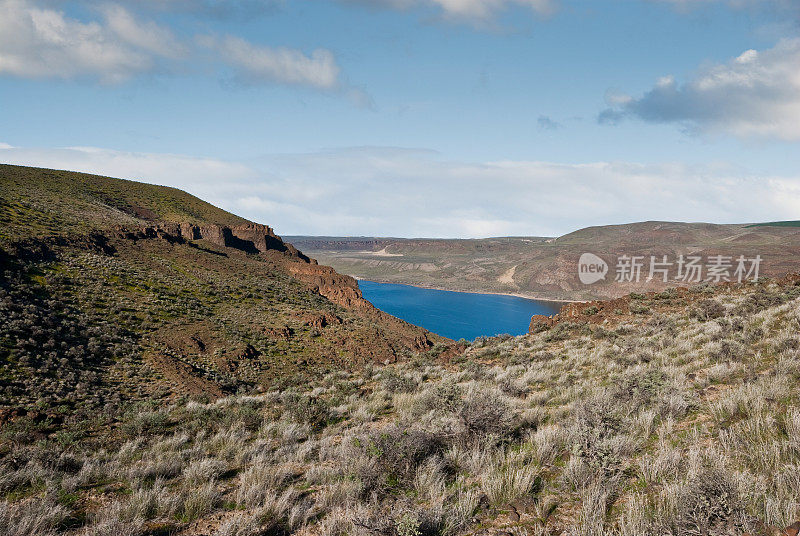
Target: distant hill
[548,267]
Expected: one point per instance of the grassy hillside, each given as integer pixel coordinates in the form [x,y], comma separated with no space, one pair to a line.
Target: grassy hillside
[681,419]
[548,268]
[38,202]
[92,320]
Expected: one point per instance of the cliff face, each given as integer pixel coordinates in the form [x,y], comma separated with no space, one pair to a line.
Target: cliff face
[340,289]
[250,238]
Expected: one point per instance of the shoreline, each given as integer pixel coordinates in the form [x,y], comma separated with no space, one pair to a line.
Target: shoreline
[428,287]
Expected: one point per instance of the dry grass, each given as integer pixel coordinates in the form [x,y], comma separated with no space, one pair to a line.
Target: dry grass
[680,424]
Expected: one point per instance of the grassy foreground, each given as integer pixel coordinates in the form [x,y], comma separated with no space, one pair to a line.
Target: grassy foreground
[684,420]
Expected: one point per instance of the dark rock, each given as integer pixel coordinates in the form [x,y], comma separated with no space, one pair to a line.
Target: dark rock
[540,323]
[793,529]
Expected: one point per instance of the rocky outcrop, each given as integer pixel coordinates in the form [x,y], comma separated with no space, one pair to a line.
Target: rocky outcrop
[603,311]
[254,238]
[540,323]
[41,249]
[251,238]
[321,320]
[280,333]
[340,289]
[343,290]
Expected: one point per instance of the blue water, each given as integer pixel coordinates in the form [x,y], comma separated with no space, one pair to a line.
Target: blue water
[456,314]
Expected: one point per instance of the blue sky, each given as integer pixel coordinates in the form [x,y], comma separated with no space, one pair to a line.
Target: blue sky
[418,117]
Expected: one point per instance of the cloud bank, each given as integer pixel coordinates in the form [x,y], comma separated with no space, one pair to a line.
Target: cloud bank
[784,4]
[407,192]
[756,94]
[116,46]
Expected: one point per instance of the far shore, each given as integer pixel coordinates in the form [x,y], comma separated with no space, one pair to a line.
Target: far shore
[429,287]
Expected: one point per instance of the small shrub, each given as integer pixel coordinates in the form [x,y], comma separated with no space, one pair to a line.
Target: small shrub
[305,409]
[444,397]
[506,482]
[407,525]
[394,382]
[145,423]
[485,412]
[708,310]
[709,503]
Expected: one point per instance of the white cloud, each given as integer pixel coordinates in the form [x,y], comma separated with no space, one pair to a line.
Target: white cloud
[38,42]
[258,64]
[215,9]
[755,94]
[45,43]
[404,192]
[474,10]
[484,9]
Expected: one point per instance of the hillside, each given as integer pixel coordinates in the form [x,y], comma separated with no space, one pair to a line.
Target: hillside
[548,268]
[678,416]
[113,291]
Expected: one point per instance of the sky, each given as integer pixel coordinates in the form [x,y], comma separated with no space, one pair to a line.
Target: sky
[418,118]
